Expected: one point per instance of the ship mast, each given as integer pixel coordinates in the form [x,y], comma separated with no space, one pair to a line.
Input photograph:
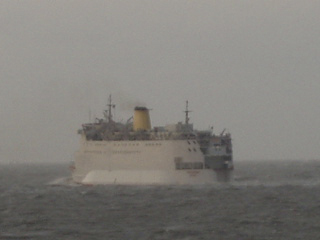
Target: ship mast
[110,106]
[187,113]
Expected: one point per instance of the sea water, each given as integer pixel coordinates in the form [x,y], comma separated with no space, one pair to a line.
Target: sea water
[265,200]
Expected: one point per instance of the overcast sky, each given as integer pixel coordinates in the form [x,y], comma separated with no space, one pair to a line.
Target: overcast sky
[252,67]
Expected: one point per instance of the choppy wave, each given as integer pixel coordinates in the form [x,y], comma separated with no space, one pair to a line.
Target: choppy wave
[265,200]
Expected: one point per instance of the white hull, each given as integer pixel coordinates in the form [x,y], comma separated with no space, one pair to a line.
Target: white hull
[186,177]
[141,163]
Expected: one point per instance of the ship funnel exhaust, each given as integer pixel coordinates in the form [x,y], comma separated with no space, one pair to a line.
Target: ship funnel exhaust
[141,119]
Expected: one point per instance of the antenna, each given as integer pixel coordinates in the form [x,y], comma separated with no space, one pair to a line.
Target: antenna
[110,106]
[187,113]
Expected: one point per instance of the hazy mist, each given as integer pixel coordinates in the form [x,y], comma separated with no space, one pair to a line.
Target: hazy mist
[252,67]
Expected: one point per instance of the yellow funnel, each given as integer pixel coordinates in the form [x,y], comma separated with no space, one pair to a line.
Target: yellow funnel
[141,119]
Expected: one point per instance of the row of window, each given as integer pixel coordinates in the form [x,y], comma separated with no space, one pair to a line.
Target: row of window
[95,144]
[147,144]
[153,144]
[133,144]
[125,152]
[125,144]
[189,165]
[191,150]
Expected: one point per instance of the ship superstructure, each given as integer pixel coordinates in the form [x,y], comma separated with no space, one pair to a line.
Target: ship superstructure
[135,153]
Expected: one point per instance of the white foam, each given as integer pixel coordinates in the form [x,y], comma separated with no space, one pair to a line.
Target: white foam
[63,181]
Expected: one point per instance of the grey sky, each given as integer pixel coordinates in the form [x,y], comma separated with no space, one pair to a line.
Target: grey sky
[249,66]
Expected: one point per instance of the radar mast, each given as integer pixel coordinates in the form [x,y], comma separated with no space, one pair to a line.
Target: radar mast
[187,113]
[110,106]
